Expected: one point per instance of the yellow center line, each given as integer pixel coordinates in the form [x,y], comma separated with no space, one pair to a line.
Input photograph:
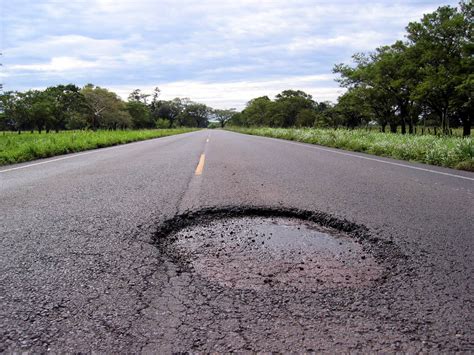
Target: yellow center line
[200,166]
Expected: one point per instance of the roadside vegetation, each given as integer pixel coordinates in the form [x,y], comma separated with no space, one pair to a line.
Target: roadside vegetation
[15,148]
[68,107]
[65,118]
[423,84]
[452,152]
[418,90]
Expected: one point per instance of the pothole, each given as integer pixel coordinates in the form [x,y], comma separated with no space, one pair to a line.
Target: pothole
[260,248]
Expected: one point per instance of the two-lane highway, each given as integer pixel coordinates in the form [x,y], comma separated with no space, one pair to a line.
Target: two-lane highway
[78,271]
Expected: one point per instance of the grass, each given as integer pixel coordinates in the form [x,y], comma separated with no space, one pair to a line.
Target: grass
[17,148]
[421,131]
[451,152]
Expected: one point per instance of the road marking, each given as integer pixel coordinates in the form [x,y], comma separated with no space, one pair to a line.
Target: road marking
[307,145]
[207,140]
[99,150]
[47,162]
[200,166]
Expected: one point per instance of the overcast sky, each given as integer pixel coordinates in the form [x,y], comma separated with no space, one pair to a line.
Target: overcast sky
[222,53]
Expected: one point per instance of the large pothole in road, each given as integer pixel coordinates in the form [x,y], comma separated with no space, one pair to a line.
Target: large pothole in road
[258,248]
[243,279]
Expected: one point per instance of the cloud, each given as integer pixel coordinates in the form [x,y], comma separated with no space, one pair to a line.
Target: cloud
[237,93]
[362,41]
[57,65]
[73,44]
[215,51]
[73,56]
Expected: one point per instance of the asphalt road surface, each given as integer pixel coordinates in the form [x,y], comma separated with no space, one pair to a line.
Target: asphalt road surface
[80,271]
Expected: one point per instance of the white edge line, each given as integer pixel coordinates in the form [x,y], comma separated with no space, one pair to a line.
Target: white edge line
[309,145]
[44,162]
[96,150]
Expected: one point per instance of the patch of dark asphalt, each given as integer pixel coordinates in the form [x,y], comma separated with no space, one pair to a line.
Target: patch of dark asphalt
[218,297]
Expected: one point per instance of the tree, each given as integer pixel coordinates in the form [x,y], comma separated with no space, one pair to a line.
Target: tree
[194,115]
[154,99]
[290,94]
[41,111]
[119,119]
[65,101]
[168,110]
[464,106]
[430,75]
[140,114]
[77,120]
[290,103]
[256,111]
[138,96]
[443,40]
[162,123]
[353,107]
[103,105]
[276,114]
[12,110]
[223,116]
[389,74]
[325,115]
[464,100]
[19,110]
[306,118]
[237,119]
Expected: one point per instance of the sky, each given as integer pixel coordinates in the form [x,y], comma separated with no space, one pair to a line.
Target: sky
[221,53]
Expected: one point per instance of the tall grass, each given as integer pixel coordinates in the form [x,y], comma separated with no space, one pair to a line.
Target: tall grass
[452,152]
[16,148]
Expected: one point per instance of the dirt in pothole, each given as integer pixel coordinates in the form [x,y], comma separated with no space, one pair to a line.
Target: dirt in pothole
[275,252]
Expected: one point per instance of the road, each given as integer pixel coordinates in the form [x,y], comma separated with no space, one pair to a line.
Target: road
[79,271]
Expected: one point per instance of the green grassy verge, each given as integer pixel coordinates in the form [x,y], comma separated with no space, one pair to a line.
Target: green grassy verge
[17,148]
[452,152]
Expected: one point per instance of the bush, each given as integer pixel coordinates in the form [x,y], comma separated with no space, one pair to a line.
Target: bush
[77,121]
[213,125]
[162,123]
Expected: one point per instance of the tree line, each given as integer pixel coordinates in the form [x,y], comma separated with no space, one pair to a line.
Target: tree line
[425,80]
[66,107]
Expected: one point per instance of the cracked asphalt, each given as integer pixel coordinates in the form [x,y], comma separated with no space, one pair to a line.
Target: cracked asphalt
[81,269]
